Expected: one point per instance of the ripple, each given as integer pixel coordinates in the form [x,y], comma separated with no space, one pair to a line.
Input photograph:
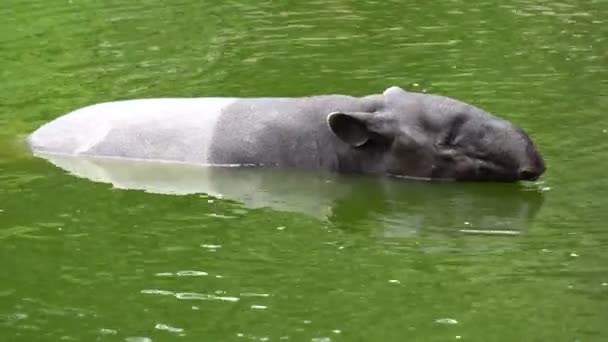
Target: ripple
[221,216]
[489,232]
[190,295]
[250,294]
[138,339]
[168,328]
[203,296]
[446,321]
[187,273]
[158,292]
[105,331]
[211,247]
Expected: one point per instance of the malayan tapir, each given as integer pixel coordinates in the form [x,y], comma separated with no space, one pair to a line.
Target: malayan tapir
[396,133]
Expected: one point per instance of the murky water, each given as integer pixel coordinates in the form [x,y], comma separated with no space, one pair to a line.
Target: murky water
[164,253]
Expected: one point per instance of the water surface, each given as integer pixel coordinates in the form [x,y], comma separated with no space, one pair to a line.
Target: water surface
[140,253]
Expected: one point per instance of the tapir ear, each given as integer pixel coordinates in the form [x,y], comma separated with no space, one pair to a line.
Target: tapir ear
[352,128]
[394,91]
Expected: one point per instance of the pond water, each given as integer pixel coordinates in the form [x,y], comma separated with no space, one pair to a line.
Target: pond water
[163,253]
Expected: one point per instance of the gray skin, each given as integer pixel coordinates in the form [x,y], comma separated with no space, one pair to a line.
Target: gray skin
[396,133]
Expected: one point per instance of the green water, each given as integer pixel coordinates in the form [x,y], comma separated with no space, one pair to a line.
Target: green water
[296,256]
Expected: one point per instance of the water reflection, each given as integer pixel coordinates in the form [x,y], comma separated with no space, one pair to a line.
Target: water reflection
[387,207]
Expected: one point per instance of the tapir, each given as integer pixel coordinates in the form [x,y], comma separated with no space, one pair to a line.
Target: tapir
[396,133]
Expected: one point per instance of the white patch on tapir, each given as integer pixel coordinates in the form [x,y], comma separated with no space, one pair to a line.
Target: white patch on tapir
[170,129]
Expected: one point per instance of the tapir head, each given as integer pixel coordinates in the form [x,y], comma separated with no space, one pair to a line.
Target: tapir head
[429,136]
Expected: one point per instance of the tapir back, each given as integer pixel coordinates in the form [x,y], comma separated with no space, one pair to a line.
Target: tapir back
[171,129]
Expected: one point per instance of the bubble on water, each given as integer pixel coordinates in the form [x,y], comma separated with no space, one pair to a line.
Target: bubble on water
[337,331]
[259,307]
[306,321]
[458,337]
[394,281]
[210,201]
[544,250]
[264,338]
[467,223]
[321,339]
[240,335]
[446,321]
[604,284]
[574,255]
[195,307]
[281,228]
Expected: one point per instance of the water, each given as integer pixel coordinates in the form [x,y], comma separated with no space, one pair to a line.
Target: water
[244,254]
